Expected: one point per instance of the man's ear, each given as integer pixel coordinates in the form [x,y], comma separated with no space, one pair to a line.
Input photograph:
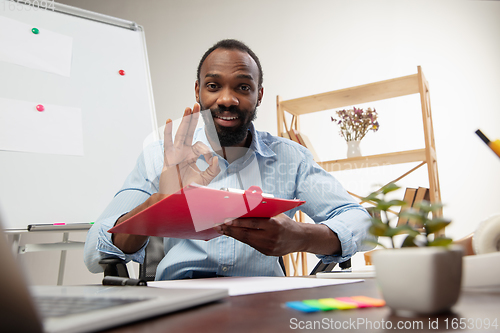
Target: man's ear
[197,91]
[261,94]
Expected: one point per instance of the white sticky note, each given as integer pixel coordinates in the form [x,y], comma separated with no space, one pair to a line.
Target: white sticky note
[56,130]
[47,51]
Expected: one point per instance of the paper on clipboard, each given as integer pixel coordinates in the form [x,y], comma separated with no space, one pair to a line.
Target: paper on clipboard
[193,211]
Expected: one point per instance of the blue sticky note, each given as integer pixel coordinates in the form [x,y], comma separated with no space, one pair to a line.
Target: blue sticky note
[302,307]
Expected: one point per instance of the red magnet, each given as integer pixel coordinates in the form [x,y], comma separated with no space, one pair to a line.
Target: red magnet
[121,72]
[40,107]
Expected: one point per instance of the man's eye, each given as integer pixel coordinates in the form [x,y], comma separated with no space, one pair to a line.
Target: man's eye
[245,88]
[211,86]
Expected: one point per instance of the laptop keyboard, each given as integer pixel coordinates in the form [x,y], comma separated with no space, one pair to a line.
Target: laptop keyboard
[62,306]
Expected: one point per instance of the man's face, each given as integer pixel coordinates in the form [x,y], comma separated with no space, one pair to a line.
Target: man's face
[229,88]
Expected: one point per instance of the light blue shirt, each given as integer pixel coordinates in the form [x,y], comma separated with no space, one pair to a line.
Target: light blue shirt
[279,166]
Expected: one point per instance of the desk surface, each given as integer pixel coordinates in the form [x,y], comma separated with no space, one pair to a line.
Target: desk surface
[266,312]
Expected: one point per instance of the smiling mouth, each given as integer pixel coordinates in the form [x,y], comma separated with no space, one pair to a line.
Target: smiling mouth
[226,118]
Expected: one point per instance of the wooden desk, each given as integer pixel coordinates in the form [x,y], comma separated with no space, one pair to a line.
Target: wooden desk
[266,312]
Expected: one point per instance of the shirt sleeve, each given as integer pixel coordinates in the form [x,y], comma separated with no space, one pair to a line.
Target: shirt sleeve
[138,187]
[328,203]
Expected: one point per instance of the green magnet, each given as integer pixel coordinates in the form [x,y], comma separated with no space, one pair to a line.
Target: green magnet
[35,31]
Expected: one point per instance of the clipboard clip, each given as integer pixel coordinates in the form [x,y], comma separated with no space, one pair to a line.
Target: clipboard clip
[251,189]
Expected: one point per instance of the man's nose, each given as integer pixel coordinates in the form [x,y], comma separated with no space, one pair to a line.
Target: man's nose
[227,98]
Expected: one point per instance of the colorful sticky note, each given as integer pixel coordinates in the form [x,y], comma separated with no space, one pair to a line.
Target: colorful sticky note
[301,307]
[317,304]
[369,300]
[339,305]
[353,301]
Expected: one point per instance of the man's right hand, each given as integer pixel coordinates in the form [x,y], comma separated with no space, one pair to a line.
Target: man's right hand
[179,170]
[180,156]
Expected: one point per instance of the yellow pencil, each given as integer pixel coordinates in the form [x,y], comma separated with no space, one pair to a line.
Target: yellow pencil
[494,145]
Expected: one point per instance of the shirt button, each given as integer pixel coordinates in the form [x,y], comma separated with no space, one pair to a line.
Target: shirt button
[224,269]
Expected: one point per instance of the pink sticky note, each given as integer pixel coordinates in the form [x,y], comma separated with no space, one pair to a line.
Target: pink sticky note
[369,300]
[351,300]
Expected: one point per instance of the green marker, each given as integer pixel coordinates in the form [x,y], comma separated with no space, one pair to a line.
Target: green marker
[35,31]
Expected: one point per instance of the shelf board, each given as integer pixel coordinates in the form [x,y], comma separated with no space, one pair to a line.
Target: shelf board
[349,97]
[408,156]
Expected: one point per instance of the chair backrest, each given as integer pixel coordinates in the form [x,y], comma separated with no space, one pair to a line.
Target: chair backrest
[154,254]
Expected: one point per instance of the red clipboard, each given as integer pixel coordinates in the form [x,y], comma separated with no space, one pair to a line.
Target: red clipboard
[192,212]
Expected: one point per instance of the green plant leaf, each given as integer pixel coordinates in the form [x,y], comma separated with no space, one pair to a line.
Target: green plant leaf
[389,188]
[376,220]
[409,241]
[372,197]
[428,207]
[440,241]
[378,229]
[403,229]
[436,224]
[370,242]
[385,205]
[397,203]
[414,216]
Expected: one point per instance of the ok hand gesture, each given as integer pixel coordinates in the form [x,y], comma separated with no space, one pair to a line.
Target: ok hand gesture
[179,165]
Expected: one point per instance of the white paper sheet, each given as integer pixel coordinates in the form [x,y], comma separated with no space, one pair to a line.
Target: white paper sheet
[47,51]
[57,130]
[250,285]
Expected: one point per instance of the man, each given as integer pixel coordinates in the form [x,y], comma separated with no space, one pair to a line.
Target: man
[229,152]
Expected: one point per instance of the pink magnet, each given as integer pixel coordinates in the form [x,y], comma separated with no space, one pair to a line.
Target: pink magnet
[40,107]
[121,72]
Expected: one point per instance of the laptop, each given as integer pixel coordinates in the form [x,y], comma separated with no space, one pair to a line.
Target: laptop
[83,308]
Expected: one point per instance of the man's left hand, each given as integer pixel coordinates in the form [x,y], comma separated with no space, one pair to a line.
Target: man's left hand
[280,235]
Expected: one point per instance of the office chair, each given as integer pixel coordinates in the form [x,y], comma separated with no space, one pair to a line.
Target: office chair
[155,253]
[147,271]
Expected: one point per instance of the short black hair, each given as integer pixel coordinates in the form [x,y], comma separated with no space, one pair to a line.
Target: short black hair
[232,44]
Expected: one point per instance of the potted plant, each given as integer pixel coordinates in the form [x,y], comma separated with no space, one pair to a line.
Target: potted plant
[423,276]
[354,124]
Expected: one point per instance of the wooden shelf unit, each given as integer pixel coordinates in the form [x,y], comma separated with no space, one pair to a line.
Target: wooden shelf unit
[397,87]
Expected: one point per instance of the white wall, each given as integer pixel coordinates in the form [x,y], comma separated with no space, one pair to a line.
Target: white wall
[308,47]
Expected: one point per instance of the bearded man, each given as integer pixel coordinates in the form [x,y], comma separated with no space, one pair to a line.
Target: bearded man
[228,152]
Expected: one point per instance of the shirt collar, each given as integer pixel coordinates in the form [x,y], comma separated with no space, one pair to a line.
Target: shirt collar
[258,145]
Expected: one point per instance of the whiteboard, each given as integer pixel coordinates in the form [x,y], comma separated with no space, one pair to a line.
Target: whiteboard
[117,114]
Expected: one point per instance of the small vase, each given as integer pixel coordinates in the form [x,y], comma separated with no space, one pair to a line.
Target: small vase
[353,149]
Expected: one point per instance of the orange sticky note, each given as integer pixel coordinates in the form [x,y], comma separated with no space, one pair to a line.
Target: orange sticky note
[369,300]
[354,301]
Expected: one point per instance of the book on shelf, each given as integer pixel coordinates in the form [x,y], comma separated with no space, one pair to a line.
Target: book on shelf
[422,194]
[413,196]
[409,198]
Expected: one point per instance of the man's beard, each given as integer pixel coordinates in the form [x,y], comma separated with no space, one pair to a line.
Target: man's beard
[230,136]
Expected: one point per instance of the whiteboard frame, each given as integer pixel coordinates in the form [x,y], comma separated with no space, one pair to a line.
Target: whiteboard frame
[106,19]
[66,244]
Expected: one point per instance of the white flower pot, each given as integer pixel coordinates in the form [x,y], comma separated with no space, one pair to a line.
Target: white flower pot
[423,280]
[353,149]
